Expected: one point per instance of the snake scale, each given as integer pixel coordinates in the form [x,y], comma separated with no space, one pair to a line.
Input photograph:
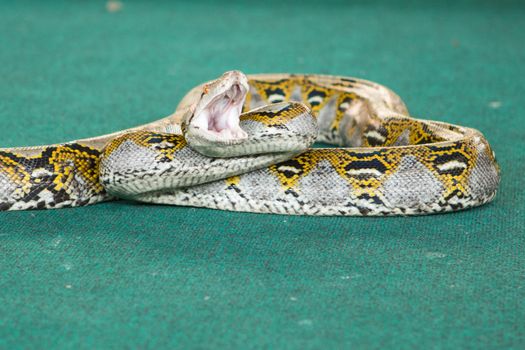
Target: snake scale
[243,143]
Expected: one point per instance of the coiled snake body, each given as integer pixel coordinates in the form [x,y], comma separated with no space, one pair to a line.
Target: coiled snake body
[208,154]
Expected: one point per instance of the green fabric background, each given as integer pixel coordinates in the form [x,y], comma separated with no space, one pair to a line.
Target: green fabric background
[124,275]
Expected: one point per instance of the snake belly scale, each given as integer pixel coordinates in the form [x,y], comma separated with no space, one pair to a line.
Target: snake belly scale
[242,143]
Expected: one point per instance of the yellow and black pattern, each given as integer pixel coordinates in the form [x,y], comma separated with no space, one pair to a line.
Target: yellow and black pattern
[277,117]
[397,157]
[298,88]
[366,171]
[272,91]
[383,163]
[56,176]
[166,145]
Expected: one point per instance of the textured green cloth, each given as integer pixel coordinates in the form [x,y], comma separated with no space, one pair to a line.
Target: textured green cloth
[128,275]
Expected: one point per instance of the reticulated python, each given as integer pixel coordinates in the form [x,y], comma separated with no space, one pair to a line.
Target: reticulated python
[210,154]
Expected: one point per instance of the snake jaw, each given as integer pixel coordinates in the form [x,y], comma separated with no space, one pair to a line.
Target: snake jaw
[215,118]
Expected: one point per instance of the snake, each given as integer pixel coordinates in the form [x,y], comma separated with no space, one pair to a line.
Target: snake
[293,144]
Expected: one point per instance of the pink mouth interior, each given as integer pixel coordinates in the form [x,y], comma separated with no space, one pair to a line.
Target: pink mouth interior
[220,117]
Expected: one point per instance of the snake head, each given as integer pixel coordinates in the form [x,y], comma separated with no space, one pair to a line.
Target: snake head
[214,118]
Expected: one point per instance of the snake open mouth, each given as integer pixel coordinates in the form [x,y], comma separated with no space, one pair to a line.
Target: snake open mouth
[216,117]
